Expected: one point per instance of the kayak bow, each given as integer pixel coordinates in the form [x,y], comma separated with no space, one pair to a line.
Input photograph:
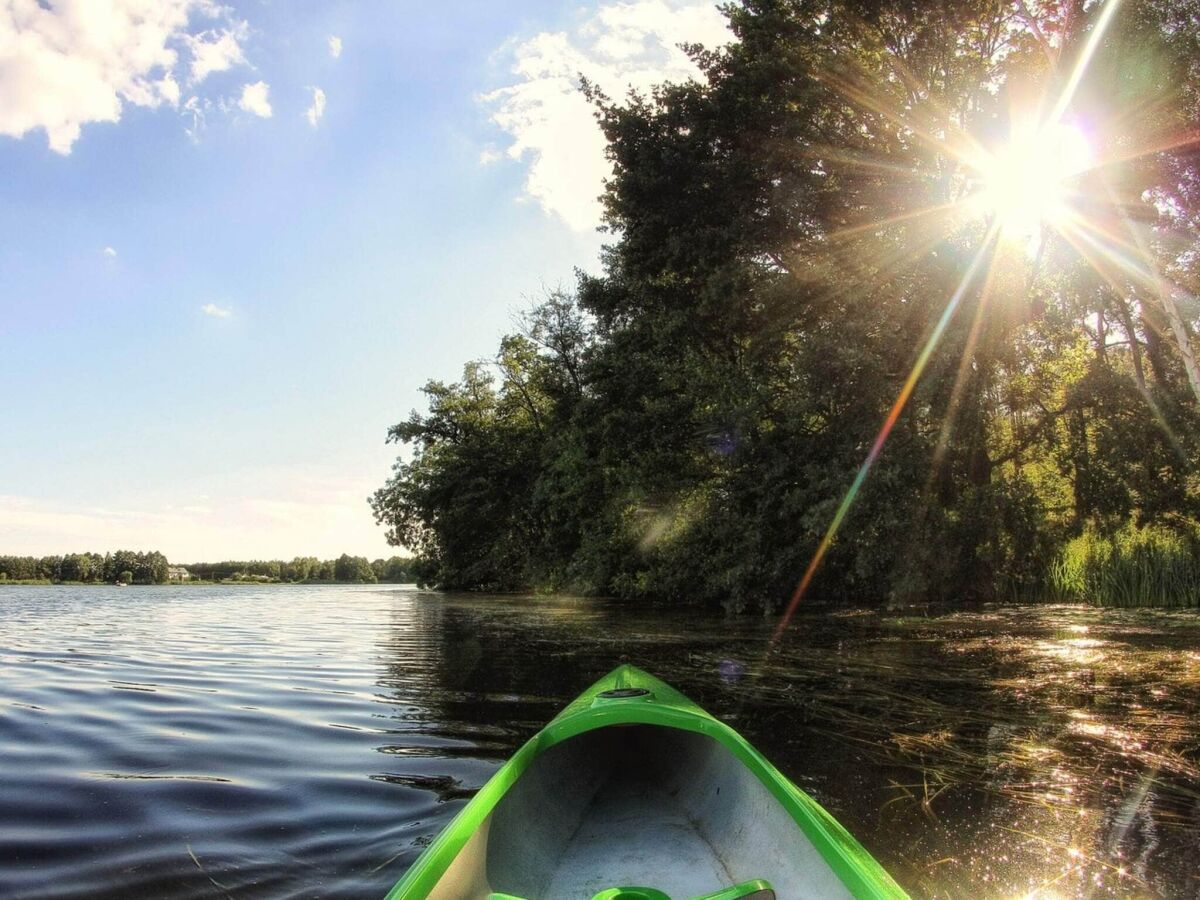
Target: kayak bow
[634,784]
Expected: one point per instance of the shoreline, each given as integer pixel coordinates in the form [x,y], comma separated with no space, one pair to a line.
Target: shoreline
[33,582]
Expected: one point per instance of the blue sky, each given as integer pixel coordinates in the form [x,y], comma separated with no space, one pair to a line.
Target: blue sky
[216,295]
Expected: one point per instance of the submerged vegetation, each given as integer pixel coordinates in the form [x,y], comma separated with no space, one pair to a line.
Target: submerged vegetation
[909,283]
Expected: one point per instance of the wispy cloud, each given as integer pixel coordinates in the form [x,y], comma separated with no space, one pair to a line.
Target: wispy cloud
[317,109]
[110,252]
[621,45]
[195,111]
[65,65]
[489,155]
[256,99]
[335,46]
[219,312]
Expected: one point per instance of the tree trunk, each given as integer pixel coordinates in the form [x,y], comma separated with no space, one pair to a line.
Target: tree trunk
[1077,423]
[1179,327]
[1135,347]
[1152,327]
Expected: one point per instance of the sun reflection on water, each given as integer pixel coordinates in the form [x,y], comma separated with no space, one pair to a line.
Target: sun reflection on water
[1083,755]
[1078,651]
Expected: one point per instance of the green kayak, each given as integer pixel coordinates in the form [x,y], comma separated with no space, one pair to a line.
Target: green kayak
[633,792]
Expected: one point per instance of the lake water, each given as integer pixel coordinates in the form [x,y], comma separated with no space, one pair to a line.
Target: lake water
[309,741]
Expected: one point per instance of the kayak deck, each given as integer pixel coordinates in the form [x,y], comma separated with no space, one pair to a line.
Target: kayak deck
[637,805]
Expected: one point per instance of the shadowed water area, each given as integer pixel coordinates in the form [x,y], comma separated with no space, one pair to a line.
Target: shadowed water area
[310,741]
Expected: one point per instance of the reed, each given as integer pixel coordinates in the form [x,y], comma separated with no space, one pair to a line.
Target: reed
[1131,567]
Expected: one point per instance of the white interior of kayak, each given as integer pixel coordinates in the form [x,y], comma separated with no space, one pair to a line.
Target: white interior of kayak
[637,805]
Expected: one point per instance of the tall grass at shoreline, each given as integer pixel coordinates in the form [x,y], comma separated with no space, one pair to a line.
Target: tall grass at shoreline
[1132,567]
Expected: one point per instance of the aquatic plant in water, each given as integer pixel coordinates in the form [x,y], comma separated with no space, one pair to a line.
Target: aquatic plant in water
[1150,566]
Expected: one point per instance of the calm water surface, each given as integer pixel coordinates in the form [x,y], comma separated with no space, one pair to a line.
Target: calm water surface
[309,741]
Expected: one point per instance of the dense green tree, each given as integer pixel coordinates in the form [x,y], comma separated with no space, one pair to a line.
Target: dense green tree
[77,567]
[19,568]
[398,570]
[462,502]
[299,569]
[788,231]
[394,570]
[353,569]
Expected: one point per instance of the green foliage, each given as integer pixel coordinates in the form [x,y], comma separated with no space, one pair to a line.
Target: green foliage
[353,569]
[151,568]
[464,501]
[1150,566]
[683,426]
[395,570]
[346,569]
[89,568]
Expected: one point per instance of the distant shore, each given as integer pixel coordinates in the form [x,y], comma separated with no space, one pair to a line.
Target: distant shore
[152,567]
[193,582]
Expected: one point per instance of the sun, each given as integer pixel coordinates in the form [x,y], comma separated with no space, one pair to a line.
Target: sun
[1030,181]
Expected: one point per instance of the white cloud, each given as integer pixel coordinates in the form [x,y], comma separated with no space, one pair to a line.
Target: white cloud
[489,155]
[314,112]
[216,51]
[73,62]
[621,45]
[255,99]
[168,87]
[110,252]
[219,312]
[335,46]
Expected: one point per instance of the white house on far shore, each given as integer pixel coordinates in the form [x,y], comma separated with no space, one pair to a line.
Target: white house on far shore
[178,573]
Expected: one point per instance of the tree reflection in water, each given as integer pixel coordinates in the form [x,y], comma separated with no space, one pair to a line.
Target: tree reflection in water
[1000,751]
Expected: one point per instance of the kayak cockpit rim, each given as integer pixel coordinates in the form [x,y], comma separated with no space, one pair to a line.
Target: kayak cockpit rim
[650,702]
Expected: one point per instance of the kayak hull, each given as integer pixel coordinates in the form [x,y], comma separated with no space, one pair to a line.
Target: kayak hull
[633,784]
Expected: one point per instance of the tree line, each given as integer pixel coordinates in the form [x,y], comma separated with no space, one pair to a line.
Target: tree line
[130,567]
[788,231]
[344,569]
[127,566]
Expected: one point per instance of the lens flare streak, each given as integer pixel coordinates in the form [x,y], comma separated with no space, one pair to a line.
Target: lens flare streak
[1089,49]
[1003,182]
[893,416]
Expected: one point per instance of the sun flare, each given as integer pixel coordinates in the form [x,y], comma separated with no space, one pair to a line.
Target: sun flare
[1030,181]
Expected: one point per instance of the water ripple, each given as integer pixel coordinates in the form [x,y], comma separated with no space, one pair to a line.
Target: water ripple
[309,741]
